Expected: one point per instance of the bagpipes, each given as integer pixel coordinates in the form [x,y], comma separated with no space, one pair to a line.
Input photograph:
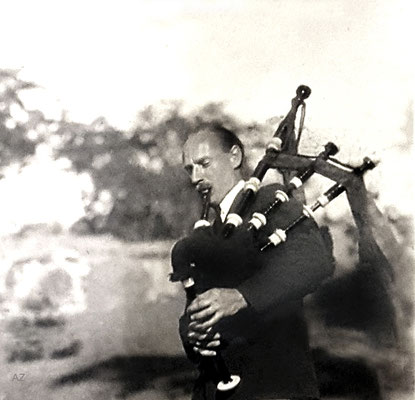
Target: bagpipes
[282,140]
[198,260]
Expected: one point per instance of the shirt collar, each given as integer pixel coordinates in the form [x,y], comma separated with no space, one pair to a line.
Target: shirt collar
[226,204]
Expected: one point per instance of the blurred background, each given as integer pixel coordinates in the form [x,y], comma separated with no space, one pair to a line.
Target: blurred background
[96,101]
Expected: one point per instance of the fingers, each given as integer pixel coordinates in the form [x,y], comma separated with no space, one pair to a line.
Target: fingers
[215,343]
[210,336]
[203,300]
[207,312]
[216,317]
[203,352]
[195,327]
[193,336]
[198,337]
[197,305]
[201,335]
[215,304]
[206,349]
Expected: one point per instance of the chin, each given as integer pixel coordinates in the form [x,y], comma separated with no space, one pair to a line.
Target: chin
[214,200]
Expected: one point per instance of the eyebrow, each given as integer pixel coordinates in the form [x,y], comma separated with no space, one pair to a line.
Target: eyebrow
[200,160]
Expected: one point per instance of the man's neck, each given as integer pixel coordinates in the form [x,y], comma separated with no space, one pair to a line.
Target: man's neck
[235,180]
[226,203]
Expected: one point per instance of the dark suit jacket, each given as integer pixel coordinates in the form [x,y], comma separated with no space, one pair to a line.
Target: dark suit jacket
[267,343]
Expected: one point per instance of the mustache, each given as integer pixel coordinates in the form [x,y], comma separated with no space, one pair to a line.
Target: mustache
[203,187]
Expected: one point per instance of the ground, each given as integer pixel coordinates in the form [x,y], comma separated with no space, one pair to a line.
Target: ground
[125,344]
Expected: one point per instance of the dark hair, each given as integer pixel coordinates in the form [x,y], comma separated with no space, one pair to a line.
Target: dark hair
[227,138]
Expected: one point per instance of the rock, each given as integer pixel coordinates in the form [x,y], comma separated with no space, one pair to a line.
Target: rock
[48,285]
[40,294]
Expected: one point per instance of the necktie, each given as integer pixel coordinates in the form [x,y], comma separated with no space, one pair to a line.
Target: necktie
[217,222]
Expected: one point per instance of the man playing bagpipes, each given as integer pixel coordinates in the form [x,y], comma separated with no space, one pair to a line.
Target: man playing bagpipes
[246,275]
[249,305]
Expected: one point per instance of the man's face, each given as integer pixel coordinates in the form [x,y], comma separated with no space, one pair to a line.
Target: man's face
[207,163]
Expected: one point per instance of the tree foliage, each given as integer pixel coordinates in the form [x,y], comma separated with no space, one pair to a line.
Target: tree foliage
[21,130]
[141,190]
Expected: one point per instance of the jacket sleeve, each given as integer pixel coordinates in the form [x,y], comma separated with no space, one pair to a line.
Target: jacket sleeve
[291,270]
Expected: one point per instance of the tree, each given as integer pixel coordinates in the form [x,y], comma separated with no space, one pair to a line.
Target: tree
[141,190]
[21,130]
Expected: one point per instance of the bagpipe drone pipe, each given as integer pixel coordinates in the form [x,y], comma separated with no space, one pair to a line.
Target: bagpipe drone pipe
[282,141]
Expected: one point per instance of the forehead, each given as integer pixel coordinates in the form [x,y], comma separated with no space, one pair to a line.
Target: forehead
[201,145]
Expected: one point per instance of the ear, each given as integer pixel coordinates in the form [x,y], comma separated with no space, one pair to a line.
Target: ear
[236,156]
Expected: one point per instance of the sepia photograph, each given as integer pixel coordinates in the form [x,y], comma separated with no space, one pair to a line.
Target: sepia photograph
[206,200]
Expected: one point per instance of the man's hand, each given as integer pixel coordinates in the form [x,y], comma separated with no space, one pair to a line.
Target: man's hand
[211,306]
[203,342]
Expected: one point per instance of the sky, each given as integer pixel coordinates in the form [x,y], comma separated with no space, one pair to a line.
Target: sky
[113,58]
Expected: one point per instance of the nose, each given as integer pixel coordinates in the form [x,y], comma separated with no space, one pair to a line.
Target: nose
[197,175]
